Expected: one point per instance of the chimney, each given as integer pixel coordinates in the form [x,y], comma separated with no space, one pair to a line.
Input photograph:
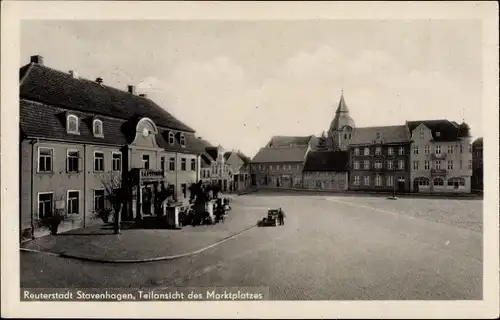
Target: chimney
[99,80]
[131,89]
[73,74]
[37,59]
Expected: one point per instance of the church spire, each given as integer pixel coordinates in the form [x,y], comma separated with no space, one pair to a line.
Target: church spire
[342,105]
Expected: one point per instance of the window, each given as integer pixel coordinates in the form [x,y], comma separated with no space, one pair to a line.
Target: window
[72,161]
[470,164]
[415,149]
[470,148]
[290,167]
[367,164]
[97,128]
[183,140]
[183,164]
[401,164]
[378,164]
[378,181]
[366,180]
[461,148]
[98,200]
[162,163]
[193,164]
[422,181]
[367,151]
[45,159]
[171,164]
[461,165]
[378,136]
[390,181]
[415,165]
[72,124]
[184,190]
[450,164]
[378,151]
[73,202]
[145,161]
[427,165]
[401,151]
[277,167]
[356,181]
[270,167]
[356,165]
[450,149]
[98,161]
[422,134]
[356,152]
[438,164]
[389,164]
[171,137]
[117,161]
[345,136]
[438,149]
[390,151]
[45,205]
[438,134]
[439,182]
[427,149]
[298,167]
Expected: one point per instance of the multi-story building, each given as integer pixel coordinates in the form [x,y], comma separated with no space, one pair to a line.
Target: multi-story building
[239,170]
[326,170]
[477,164]
[441,156]
[280,163]
[78,136]
[379,159]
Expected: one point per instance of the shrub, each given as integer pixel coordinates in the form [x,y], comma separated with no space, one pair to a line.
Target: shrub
[103,214]
[52,222]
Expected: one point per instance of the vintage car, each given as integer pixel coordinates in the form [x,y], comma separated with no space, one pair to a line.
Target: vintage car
[271,220]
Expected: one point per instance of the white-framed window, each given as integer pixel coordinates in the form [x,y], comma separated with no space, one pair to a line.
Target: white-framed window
[470,165]
[162,163]
[439,182]
[427,149]
[98,161]
[45,159]
[401,151]
[117,161]
[98,200]
[390,151]
[415,149]
[356,165]
[277,167]
[72,160]
[171,164]
[378,164]
[390,181]
[427,165]
[298,167]
[270,167]
[450,149]
[290,167]
[422,134]
[415,165]
[193,164]
[378,151]
[450,164]
[73,202]
[401,164]
[438,164]
[356,181]
[356,152]
[438,134]
[97,128]
[367,152]
[171,137]
[183,164]
[389,164]
[366,180]
[145,161]
[183,140]
[366,164]
[45,204]
[438,149]
[72,124]
[378,180]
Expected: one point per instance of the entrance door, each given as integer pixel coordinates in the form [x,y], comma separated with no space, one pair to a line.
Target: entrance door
[401,186]
[147,201]
[415,185]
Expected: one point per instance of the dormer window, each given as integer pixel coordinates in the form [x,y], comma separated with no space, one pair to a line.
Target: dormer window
[72,124]
[171,137]
[97,128]
[183,140]
[438,134]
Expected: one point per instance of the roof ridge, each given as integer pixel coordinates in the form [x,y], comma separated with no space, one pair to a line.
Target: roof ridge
[28,71]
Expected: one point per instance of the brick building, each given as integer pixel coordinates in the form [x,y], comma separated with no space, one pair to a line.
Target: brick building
[326,170]
[77,134]
[477,164]
[379,159]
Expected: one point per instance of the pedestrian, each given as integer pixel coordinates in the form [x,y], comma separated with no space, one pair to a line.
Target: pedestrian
[281,217]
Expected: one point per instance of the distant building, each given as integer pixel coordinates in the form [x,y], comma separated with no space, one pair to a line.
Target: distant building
[441,156]
[341,128]
[477,164]
[239,169]
[326,170]
[379,159]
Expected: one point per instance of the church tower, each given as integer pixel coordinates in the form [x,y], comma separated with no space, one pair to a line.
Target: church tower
[341,128]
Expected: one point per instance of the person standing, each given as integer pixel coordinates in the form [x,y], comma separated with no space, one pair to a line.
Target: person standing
[281,217]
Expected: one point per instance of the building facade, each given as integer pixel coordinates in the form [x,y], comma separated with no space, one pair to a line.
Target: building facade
[341,128]
[94,136]
[477,165]
[326,170]
[441,156]
[239,170]
[379,159]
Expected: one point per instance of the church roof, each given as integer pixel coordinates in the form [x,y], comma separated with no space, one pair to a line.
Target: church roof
[342,117]
[342,105]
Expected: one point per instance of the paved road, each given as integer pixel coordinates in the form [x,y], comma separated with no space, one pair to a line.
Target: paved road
[330,248]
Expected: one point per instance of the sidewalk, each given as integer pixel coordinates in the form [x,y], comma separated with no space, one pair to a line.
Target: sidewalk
[100,244]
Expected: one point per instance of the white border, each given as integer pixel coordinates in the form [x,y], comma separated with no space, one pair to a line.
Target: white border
[12,13]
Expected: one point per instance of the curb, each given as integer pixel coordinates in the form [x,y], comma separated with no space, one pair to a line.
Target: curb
[164,258]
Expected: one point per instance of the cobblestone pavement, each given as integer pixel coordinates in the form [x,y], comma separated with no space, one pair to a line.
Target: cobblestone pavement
[330,248]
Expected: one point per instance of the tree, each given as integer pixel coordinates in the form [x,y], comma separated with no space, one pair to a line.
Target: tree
[116,196]
[322,142]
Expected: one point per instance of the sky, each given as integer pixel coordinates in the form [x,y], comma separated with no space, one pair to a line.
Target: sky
[238,83]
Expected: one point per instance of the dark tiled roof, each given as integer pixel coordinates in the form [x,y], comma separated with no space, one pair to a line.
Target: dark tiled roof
[243,157]
[478,142]
[449,130]
[201,145]
[389,134]
[336,161]
[212,152]
[273,155]
[288,141]
[56,88]
[227,154]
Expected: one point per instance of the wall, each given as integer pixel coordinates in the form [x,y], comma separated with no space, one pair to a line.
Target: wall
[290,174]
[326,180]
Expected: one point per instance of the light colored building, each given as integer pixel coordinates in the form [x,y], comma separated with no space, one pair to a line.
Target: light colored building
[77,136]
[326,170]
[441,156]
[239,170]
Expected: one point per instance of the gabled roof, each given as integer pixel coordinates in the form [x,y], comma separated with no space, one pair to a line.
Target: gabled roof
[52,87]
[449,130]
[212,152]
[334,161]
[388,134]
[288,141]
[280,155]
